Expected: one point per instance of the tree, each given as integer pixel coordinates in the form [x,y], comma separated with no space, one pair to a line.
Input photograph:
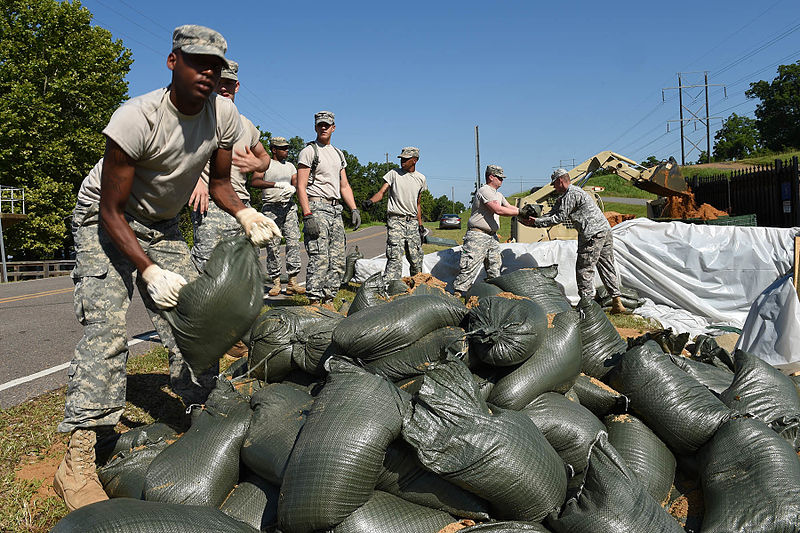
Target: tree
[778,114]
[737,138]
[651,161]
[60,81]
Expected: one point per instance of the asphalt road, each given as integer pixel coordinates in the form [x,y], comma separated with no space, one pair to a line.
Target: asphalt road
[39,331]
[630,201]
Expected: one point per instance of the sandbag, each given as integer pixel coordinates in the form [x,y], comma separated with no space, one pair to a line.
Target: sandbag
[568,427]
[667,340]
[133,438]
[481,289]
[218,307]
[253,501]
[505,527]
[124,475]
[125,515]
[717,379]
[539,284]
[505,332]
[602,344]
[601,293]
[706,350]
[394,325]
[611,500]
[751,480]
[761,390]
[405,477]
[375,290]
[286,338]
[413,359]
[279,412]
[678,408]
[202,466]
[499,455]
[598,397]
[644,453]
[385,513]
[339,454]
[554,366]
[350,265]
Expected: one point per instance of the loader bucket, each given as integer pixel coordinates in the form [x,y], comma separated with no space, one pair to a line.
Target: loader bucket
[666,180]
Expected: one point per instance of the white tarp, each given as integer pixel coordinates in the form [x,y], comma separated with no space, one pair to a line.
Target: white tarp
[709,275]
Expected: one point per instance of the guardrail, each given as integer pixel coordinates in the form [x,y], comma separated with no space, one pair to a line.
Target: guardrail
[24,270]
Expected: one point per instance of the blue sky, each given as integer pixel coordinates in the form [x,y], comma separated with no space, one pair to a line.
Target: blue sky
[545,82]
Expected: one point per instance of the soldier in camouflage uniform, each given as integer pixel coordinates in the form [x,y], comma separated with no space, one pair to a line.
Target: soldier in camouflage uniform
[211,224]
[321,184]
[126,232]
[595,243]
[278,188]
[404,229]
[481,246]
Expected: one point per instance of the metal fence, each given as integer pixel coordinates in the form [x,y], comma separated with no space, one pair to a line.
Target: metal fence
[771,192]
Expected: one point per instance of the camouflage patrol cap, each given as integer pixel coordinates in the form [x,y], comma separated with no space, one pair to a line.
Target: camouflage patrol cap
[495,170]
[194,39]
[231,72]
[409,152]
[278,142]
[324,116]
[557,173]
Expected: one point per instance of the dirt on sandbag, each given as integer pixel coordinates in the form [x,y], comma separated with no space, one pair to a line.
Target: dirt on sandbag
[537,283]
[598,397]
[686,207]
[424,279]
[615,218]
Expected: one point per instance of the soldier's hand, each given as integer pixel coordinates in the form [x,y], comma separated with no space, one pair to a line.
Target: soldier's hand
[199,198]
[282,185]
[355,218]
[310,226]
[163,286]
[366,204]
[260,229]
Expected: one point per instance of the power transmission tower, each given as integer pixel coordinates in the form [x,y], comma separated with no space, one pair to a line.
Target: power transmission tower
[695,115]
[564,163]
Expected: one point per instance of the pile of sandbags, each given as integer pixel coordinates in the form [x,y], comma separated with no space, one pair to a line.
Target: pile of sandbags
[417,414]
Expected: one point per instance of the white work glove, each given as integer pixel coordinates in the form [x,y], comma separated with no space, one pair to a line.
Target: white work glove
[287,190]
[259,228]
[163,286]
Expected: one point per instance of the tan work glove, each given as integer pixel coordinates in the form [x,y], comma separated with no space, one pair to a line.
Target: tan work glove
[260,229]
[163,286]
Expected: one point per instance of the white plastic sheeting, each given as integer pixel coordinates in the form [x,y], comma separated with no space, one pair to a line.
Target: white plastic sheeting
[696,276]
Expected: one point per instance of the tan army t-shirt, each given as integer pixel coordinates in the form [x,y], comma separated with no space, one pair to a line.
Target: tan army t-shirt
[277,172]
[170,150]
[251,136]
[482,217]
[405,188]
[326,180]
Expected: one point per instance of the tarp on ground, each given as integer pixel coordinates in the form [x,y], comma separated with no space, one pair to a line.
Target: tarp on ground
[704,275]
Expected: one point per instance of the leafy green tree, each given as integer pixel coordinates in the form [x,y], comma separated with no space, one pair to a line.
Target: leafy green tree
[702,158]
[651,161]
[60,81]
[737,138]
[778,114]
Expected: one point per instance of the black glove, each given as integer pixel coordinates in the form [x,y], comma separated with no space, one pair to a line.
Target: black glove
[310,226]
[422,233]
[355,218]
[366,204]
[531,210]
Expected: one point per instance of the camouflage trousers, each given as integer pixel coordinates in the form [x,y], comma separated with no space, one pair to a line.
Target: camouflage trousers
[104,281]
[325,252]
[596,250]
[285,216]
[479,249]
[402,239]
[209,229]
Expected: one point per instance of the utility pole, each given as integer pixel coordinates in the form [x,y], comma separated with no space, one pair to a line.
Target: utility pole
[387,157]
[477,161]
[452,193]
[696,116]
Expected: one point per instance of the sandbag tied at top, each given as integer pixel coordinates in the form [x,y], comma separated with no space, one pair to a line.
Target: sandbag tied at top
[279,412]
[611,500]
[202,466]
[644,453]
[678,408]
[602,344]
[504,331]
[394,325]
[217,309]
[501,456]
[125,515]
[339,454]
[538,283]
[751,480]
[415,358]
[385,513]
[554,366]
[598,397]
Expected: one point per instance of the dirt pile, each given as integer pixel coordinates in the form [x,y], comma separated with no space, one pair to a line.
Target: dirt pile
[615,218]
[686,207]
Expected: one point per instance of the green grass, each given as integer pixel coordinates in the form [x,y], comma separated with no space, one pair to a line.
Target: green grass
[626,209]
[617,186]
[634,322]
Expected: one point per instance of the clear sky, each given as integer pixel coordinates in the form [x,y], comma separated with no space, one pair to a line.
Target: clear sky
[545,82]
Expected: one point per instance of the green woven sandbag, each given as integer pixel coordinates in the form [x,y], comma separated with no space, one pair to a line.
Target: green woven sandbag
[644,453]
[375,290]
[601,293]
[415,358]
[553,367]
[598,397]
[505,527]
[339,454]
[385,513]
[481,289]
[504,331]
[499,455]
[394,325]
[253,501]
[215,310]
[279,412]
[125,515]
[202,466]
[677,407]
[133,438]
[602,344]
[124,475]
[537,283]
[611,499]
[716,378]
[751,480]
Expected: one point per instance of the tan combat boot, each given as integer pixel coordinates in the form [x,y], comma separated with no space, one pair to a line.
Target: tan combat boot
[76,479]
[616,306]
[293,288]
[276,287]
